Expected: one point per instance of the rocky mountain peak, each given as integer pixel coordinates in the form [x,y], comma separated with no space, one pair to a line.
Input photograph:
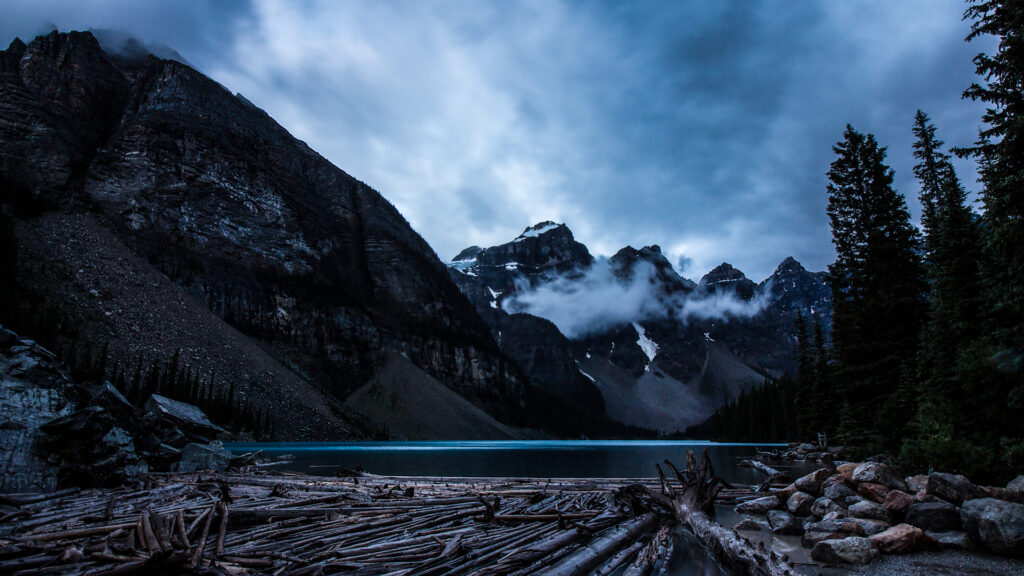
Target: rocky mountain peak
[545,246]
[624,263]
[793,286]
[789,266]
[468,254]
[728,278]
[542,228]
[722,273]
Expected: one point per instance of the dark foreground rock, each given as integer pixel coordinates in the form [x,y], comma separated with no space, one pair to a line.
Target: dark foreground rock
[997,525]
[901,539]
[952,488]
[934,516]
[60,432]
[852,550]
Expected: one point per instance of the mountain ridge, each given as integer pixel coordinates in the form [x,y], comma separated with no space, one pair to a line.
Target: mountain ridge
[710,339]
[309,263]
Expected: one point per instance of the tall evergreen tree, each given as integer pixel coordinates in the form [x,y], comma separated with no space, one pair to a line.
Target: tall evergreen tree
[943,435]
[878,288]
[806,376]
[1000,153]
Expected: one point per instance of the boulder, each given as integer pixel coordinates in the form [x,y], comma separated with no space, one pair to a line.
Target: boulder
[111,398]
[952,488]
[748,525]
[759,505]
[916,483]
[800,503]
[878,473]
[997,525]
[1016,485]
[7,338]
[934,516]
[783,494]
[853,550]
[185,416]
[874,492]
[119,462]
[838,493]
[823,506]
[195,457]
[901,539]
[811,483]
[865,526]
[831,523]
[89,423]
[954,539]
[784,523]
[846,470]
[869,510]
[835,479]
[1004,494]
[897,502]
[813,535]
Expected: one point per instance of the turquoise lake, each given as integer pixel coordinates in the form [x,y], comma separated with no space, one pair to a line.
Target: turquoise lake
[541,458]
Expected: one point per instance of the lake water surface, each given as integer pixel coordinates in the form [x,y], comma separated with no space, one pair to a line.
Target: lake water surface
[532,458]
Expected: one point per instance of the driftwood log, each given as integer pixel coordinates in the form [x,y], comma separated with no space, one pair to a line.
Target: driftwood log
[700,486]
[261,522]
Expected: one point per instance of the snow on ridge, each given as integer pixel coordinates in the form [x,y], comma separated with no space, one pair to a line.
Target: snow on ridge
[533,233]
[461,265]
[649,347]
[494,293]
[589,377]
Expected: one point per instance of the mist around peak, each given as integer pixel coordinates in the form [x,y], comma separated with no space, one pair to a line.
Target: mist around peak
[594,300]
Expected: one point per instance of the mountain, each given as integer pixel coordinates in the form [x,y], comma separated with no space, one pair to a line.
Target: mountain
[725,278]
[157,215]
[683,351]
[561,394]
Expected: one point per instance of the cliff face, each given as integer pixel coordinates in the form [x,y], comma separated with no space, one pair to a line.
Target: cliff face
[310,264]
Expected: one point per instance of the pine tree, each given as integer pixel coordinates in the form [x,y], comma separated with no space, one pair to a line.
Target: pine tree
[1000,153]
[877,286]
[954,254]
[805,400]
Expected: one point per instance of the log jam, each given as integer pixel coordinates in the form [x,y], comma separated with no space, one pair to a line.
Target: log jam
[260,522]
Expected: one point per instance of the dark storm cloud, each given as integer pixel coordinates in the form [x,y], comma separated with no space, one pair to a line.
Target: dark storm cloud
[705,127]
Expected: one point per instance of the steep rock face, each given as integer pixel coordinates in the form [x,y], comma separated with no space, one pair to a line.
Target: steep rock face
[32,392]
[274,239]
[562,398]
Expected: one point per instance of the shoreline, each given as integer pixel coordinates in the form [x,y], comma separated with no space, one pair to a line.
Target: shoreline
[270,522]
[262,521]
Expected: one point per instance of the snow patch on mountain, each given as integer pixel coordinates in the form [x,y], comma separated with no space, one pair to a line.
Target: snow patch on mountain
[646,344]
[536,231]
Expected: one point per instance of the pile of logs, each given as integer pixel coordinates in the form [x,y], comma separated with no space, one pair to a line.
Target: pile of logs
[279,523]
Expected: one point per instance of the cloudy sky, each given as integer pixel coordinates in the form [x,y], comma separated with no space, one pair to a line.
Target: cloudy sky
[704,127]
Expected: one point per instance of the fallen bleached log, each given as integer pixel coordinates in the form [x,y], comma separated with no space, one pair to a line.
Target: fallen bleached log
[603,547]
[700,486]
